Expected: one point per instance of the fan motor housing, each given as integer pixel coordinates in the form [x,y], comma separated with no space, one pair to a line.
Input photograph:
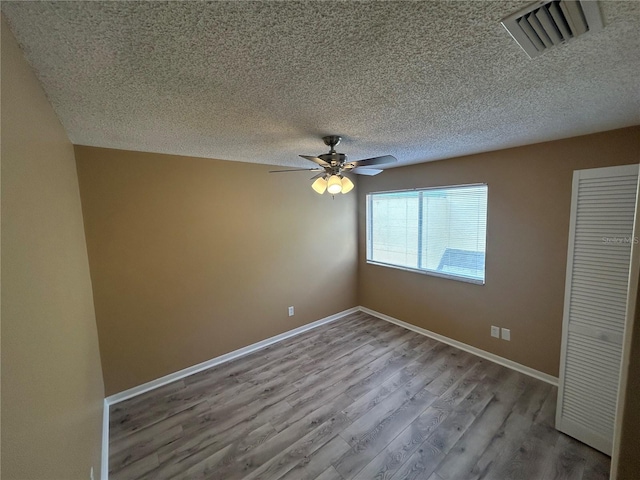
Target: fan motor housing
[333,158]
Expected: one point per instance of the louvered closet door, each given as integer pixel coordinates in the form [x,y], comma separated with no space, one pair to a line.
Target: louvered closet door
[602,214]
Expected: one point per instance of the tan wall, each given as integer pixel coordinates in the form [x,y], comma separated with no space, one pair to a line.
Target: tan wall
[193,258]
[52,391]
[527,230]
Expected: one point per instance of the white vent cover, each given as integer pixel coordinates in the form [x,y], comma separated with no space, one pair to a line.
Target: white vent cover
[546,24]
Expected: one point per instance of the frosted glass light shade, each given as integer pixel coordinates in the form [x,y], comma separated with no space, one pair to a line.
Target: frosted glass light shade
[320,185]
[347,185]
[334,185]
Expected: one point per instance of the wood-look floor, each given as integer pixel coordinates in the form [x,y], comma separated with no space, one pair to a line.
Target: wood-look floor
[358,398]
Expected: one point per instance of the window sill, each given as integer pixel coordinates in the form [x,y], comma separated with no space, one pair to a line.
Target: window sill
[430,273]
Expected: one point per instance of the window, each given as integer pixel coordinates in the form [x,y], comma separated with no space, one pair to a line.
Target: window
[439,231]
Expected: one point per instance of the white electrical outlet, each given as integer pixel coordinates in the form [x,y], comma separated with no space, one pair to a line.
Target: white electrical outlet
[91,475]
[495,331]
[506,334]
[291,311]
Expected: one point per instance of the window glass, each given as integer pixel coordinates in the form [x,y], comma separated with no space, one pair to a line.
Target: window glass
[441,231]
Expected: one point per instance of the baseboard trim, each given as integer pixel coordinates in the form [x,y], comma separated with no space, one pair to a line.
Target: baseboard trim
[505,362]
[227,357]
[172,377]
[241,352]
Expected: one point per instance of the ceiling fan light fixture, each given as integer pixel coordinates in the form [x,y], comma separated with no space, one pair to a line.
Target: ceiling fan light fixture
[320,185]
[334,165]
[347,185]
[334,185]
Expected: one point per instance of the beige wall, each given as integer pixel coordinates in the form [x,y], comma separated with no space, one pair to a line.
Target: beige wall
[52,391]
[192,258]
[527,229]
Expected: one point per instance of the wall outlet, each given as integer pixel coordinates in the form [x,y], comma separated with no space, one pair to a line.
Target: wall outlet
[91,477]
[291,311]
[506,334]
[495,331]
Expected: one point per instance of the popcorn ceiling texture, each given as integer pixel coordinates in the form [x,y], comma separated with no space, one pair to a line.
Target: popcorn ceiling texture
[263,81]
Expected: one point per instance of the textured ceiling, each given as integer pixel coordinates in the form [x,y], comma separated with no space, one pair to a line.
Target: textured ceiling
[263,81]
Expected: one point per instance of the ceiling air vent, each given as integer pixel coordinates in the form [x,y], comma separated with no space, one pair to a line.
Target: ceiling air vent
[546,24]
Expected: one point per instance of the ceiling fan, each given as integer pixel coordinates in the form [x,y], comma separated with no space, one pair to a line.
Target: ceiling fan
[333,165]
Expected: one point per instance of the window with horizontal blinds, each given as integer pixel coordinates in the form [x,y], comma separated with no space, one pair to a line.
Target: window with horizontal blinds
[440,231]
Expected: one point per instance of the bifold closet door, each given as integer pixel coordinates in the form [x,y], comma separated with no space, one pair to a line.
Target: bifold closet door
[600,237]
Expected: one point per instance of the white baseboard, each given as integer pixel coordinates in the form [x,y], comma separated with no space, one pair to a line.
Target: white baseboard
[467,348]
[172,377]
[227,357]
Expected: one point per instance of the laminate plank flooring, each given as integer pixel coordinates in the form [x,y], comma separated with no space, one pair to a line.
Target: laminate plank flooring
[358,398]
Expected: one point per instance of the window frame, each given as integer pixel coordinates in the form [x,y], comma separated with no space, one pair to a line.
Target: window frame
[422,271]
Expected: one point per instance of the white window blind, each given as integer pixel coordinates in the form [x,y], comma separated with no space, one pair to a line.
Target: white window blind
[440,231]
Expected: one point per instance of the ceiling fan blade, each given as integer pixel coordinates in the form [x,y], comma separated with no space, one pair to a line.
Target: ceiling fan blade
[318,176]
[297,170]
[317,160]
[375,161]
[367,171]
